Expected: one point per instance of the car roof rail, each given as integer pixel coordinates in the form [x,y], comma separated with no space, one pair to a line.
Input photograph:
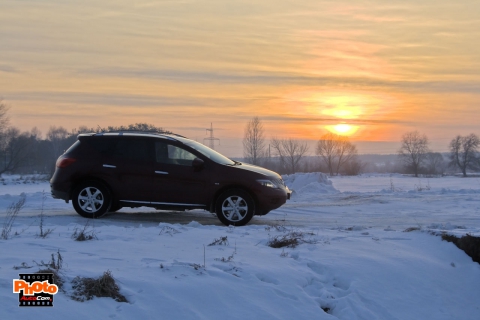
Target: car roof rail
[120,132]
[135,131]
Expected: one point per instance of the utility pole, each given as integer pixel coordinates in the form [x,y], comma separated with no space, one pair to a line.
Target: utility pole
[211,140]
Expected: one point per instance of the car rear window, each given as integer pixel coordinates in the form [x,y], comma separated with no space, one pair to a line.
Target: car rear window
[103,145]
[73,147]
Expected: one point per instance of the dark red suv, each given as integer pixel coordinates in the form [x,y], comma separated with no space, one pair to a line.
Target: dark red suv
[103,172]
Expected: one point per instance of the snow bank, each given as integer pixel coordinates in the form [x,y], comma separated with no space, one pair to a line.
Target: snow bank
[173,271]
[312,182]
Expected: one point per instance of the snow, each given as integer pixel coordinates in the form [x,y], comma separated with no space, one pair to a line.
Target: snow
[358,262]
[309,183]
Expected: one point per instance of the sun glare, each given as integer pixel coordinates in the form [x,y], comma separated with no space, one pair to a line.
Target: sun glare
[342,129]
[343,112]
[344,107]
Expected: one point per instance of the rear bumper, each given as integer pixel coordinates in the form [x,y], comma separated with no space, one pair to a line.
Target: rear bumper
[57,194]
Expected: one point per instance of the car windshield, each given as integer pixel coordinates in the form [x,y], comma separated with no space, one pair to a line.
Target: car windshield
[207,152]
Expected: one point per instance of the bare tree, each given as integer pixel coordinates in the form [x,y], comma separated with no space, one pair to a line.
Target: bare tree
[3,116]
[17,149]
[435,163]
[327,150]
[3,124]
[335,151]
[254,142]
[36,133]
[57,135]
[414,150]
[353,167]
[463,152]
[290,152]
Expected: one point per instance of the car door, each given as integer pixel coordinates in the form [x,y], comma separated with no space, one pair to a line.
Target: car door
[130,168]
[175,180]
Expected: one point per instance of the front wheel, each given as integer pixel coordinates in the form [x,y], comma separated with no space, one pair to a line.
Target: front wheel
[91,200]
[235,207]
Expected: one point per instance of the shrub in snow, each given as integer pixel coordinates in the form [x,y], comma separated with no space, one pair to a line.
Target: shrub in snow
[84,234]
[104,286]
[57,279]
[290,240]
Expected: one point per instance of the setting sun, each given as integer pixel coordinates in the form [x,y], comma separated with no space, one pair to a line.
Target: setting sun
[342,129]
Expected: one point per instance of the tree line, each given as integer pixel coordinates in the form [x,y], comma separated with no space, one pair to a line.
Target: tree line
[30,152]
[463,153]
[337,155]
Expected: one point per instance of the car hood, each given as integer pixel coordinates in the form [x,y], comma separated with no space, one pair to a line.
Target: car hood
[256,169]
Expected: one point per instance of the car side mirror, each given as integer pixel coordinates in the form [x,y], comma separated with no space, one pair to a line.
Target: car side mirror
[197,164]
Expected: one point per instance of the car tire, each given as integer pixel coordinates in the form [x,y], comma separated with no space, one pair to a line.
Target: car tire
[235,207]
[91,199]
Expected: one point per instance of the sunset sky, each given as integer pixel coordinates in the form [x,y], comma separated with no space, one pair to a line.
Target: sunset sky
[373,70]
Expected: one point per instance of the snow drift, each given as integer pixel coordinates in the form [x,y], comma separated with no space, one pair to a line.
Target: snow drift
[312,182]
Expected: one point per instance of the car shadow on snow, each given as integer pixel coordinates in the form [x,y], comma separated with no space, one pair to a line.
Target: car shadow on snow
[172,217]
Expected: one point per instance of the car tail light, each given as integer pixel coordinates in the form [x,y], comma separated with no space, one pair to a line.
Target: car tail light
[65,162]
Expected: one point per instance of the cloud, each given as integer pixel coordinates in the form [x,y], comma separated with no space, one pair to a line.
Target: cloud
[112,99]
[7,68]
[288,118]
[197,128]
[276,78]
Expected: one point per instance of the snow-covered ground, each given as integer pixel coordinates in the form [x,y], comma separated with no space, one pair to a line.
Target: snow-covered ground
[358,263]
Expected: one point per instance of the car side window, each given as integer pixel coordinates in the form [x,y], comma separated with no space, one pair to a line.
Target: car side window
[170,154]
[132,149]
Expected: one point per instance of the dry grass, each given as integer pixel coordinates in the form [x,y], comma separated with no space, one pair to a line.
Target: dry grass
[290,240]
[104,286]
[168,230]
[57,279]
[223,241]
[10,216]
[43,232]
[23,265]
[84,234]
[54,263]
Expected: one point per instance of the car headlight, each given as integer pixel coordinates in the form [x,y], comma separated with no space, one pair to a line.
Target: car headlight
[268,183]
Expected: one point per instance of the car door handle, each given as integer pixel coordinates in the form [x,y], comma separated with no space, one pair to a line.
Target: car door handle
[109,166]
[161,172]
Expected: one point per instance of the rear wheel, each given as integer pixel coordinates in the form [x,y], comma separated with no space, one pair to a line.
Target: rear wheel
[235,207]
[91,199]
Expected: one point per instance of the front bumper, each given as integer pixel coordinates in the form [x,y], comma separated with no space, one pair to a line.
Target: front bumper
[272,199]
